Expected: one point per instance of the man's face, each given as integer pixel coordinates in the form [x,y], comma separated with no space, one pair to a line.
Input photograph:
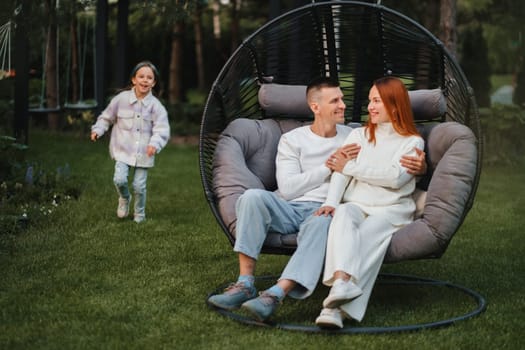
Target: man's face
[330,105]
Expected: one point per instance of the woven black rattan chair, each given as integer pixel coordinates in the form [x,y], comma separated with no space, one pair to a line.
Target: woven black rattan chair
[356,43]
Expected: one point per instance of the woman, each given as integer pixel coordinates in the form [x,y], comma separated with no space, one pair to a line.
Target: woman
[375,193]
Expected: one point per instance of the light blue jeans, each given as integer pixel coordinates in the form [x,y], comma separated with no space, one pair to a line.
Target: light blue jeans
[140,176]
[260,211]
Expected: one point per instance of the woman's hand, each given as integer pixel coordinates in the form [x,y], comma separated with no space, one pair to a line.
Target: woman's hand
[325,211]
[350,150]
[338,160]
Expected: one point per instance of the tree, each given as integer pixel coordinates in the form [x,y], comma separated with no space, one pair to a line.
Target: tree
[51,59]
[475,63]
[447,25]
[197,26]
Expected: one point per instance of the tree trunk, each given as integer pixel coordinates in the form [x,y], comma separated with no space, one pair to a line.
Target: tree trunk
[197,25]
[217,34]
[74,86]
[234,28]
[429,20]
[448,28]
[51,74]
[175,80]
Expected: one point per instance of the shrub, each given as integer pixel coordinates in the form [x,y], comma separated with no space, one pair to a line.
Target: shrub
[28,191]
[503,127]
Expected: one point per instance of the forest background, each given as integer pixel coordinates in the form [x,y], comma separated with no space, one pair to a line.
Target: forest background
[191,40]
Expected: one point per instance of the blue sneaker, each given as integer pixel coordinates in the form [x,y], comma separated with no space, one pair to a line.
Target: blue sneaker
[263,306]
[233,297]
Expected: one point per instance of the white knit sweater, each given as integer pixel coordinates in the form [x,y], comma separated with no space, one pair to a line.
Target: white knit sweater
[379,185]
[301,155]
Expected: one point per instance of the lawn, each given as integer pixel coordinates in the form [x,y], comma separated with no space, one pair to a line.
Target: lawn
[80,278]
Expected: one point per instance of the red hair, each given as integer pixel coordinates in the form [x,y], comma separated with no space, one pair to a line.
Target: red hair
[395,98]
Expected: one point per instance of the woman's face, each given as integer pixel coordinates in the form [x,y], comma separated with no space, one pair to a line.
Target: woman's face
[143,81]
[376,108]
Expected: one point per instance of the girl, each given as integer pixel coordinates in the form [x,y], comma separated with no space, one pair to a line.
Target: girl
[376,192]
[140,130]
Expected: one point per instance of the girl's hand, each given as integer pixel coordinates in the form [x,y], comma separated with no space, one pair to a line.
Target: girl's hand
[151,151]
[94,136]
[325,211]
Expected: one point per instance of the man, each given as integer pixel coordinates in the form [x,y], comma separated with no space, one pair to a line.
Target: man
[303,177]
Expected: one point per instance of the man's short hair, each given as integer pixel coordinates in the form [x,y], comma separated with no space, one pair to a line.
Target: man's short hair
[319,83]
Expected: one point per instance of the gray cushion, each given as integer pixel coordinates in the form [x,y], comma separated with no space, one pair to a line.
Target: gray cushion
[452,154]
[275,99]
[245,158]
[428,104]
[283,99]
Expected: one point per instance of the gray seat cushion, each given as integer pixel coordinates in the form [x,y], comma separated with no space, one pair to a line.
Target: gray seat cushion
[245,158]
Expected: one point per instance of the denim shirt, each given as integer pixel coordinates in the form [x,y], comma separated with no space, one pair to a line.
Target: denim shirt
[136,124]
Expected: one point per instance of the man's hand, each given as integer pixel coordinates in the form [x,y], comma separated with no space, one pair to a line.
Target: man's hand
[415,165]
[325,211]
[94,136]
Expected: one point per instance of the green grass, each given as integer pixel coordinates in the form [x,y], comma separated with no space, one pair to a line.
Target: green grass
[83,279]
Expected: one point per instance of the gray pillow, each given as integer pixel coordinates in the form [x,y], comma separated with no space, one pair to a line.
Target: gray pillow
[245,158]
[284,99]
[427,104]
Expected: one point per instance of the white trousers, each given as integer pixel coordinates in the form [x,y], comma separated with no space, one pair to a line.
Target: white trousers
[357,245]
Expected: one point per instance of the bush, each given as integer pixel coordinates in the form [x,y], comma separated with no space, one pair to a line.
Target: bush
[27,190]
[503,127]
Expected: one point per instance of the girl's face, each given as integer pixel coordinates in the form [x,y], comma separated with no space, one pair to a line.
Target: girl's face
[143,81]
[376,108]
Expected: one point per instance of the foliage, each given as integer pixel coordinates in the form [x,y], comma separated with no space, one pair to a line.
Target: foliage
[503,128]
[475,64]
[503,28]
[519,90]
[27,190]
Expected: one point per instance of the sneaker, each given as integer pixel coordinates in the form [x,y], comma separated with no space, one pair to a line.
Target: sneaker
[330,318]
[341,293]
[233,296]
[263,306]
[139,218]
[123,207]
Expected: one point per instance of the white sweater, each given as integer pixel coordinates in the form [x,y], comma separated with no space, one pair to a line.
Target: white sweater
[301,171]
[379,185]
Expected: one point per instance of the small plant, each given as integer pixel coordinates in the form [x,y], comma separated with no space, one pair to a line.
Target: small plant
[503,127]
[28,191]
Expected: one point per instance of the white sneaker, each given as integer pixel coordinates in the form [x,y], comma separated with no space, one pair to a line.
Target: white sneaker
[330,318]
[123,207]
[341,293]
